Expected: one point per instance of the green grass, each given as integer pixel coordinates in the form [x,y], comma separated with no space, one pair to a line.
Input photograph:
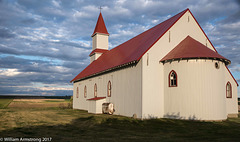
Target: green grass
[67,100]
[78,125]
[5,102]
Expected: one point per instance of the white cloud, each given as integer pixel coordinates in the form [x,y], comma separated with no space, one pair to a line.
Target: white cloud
[155,21]
[80,14]
[120,2]
[53,88]
[58,33]
[9,72]
[56,3]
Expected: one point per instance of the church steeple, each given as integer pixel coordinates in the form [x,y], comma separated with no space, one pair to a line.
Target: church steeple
[100,26]
[99,39]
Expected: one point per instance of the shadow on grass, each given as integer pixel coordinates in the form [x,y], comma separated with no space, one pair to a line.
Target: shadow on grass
[100,128]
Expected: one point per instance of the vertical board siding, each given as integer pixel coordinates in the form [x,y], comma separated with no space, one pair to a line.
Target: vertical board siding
[143,89]
[232,103]
[200,93]
[153,75]
[126,90]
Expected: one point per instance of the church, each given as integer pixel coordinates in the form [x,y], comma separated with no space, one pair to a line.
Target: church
[169,71]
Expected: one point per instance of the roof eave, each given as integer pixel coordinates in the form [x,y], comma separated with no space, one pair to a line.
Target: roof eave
[102,72]
[98,51]
[107,34]
[226,61]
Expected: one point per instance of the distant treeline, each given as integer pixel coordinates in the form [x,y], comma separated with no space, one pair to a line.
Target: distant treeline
[34,97]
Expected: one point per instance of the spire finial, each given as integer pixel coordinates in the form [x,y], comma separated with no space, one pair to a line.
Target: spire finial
[100,8]
[100,26]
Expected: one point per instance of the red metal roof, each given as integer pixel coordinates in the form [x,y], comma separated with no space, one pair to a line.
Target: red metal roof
[191,48]
[100,26]
[96,98]
[98,51]
[232,75]
[129,51]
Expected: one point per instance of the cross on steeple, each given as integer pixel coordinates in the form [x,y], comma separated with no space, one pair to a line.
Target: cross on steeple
[100,8]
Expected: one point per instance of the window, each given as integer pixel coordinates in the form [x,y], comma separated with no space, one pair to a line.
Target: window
[169,37]
[77,92]
[95,90]
[172,79]
[217,65]
[109,89]
[147,58]
[228,90]
[85,91]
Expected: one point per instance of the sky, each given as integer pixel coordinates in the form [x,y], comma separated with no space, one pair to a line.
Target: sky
[45,43]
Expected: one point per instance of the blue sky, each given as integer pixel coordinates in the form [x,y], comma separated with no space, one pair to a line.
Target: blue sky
[45,43]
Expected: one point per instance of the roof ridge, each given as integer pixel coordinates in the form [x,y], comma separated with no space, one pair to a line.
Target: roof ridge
[180,13]
[130,51]
[191,48]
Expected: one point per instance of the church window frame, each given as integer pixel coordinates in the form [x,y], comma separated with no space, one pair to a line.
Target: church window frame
[85,91]
[109,89]
[77,93]
[95,90]
[228,90]
[172,79]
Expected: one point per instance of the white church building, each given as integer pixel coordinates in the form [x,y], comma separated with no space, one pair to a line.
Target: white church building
[169,71]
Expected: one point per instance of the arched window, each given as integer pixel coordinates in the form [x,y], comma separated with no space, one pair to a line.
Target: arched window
[229,90]
[95,90]
[77,92]
[85,91]
[172,78]
[109,89]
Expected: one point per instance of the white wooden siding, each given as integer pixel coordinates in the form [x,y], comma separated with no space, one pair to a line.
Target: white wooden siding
[143,89]
[200,93]
[126,90]
[152,74]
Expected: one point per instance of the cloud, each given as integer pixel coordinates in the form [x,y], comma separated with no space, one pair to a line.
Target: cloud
[5,33]
[9,72]
[45,44]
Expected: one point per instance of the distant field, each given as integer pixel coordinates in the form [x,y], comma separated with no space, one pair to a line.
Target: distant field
[5,102]
[38,103]
[63,124]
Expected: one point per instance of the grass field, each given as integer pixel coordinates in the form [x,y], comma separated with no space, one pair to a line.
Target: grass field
[5,102]
[37,103]
[76,125]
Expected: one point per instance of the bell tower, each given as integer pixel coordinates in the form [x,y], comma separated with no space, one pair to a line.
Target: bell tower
[99,39]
